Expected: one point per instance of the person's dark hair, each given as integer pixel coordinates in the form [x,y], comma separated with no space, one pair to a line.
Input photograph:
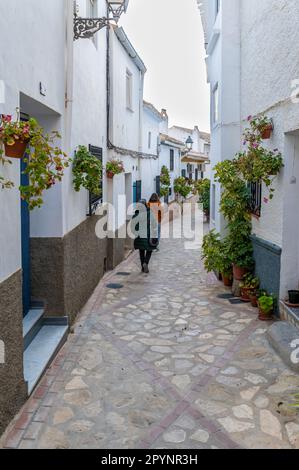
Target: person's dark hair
[154,198]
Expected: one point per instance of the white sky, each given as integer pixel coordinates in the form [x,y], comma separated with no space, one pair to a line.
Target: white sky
[168,36]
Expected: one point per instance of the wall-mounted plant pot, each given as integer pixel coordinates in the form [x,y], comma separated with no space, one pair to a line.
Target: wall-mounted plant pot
[267,132]
[110,175]
[294,297]
[264,316]
[239,273]
[16,150]
[227,281]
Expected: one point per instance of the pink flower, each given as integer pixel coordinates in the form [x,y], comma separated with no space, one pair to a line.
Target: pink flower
[266,200]
[6,117]
[255,145]
[249,118]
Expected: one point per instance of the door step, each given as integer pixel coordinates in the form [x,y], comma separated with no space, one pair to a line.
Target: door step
[43,337]
[289,314]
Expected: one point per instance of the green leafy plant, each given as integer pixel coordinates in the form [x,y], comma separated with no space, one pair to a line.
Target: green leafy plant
[266,303]
[250,282]
[296,402]
[13,131]
[203,189]
[115,167]
[45,165]
[87,171]
[164,181]
[182,187]
[215,253]
[4,182]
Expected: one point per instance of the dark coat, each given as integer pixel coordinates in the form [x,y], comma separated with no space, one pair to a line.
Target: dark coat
[147,220]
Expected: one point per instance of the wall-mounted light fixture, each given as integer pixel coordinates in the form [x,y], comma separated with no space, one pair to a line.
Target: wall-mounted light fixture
[85,28]
[189,146]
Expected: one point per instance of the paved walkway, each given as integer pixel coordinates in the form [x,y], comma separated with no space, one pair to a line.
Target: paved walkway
[163,363]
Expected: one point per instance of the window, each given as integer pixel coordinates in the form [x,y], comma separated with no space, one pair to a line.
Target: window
[207,149]
[184,173]
[196,174]
[171,160]
[129,90]
[149,140]
[215,104]
[255,198]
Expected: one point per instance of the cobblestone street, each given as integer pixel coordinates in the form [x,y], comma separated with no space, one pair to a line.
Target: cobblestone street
[162,363]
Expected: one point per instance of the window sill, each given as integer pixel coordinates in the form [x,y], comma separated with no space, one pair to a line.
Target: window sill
[130,109]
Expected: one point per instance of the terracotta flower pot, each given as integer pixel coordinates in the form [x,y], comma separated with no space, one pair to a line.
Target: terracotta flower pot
[227,281]
[16,150]
[239,273]
[110,175]
[264,316]
[266,133]
[253,299]
[245,294]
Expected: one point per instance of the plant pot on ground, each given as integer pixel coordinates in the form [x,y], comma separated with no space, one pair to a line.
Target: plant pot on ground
[248,285]
[266,308]
[294,297]
[227,279]
[239,272]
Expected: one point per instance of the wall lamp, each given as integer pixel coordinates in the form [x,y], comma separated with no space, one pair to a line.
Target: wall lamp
[85,28]
[189,145]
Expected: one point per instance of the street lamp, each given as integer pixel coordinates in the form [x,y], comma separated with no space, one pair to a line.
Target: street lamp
[189,143]
[86,27]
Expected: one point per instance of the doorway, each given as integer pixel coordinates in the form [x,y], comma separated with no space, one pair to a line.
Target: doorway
[25,237]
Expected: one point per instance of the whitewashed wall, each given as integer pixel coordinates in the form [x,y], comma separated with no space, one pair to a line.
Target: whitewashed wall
[32,50]
[149,166]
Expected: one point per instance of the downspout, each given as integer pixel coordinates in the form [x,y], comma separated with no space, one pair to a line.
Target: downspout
[140,130]
[68,92]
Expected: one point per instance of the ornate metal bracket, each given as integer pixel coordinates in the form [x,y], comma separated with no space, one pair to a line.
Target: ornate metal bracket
[86,27]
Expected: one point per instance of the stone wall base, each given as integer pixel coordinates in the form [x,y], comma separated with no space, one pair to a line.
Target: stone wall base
[13,390]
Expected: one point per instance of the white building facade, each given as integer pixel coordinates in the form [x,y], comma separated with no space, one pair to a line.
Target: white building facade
[253,70]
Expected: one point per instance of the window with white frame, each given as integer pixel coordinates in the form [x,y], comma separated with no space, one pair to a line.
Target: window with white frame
[129,90]
[215,104]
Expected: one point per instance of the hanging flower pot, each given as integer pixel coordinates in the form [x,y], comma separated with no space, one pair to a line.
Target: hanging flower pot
[110,175]
[16,150]
[114,167]
[267,131]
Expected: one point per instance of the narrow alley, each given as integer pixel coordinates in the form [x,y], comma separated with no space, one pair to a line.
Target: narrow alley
[162,362]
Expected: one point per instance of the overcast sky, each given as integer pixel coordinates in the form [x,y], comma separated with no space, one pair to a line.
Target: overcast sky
[168,36]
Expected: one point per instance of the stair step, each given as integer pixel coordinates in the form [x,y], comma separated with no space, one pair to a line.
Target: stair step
[32,323]
[41,351]
[283,337]
[289,314]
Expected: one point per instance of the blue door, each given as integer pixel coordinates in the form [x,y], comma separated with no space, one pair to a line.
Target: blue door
[25,240]
[134,193]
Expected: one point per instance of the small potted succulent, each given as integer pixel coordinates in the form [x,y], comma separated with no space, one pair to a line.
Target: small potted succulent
[15,135]
[249,285]
[266,307]
[114,167]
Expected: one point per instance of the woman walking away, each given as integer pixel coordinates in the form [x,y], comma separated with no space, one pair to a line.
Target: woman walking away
[157,209]
[143,223]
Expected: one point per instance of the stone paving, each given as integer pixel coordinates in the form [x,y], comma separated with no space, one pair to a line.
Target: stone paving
[162,363]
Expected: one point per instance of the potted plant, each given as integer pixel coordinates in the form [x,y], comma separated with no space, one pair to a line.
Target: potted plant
[294,297]
[248,285]
[87,171]
[203,189]
[254,295]
[211,250]
[114,167]
[266,307]
[165,181]
[15,135]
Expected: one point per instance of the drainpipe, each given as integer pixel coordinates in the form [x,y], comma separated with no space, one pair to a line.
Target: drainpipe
[140,130]
[68,92]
